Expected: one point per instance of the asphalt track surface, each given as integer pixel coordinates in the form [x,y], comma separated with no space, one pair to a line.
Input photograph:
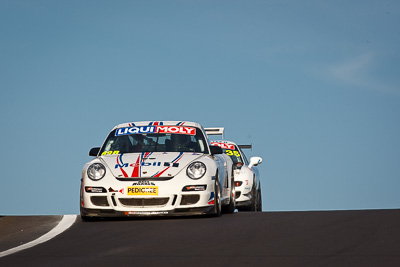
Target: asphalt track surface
[323,238]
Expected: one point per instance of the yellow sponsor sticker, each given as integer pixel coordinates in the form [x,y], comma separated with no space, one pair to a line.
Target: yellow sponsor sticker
[142,190]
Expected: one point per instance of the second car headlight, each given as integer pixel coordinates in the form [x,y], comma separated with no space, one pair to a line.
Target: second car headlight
[96,171]
[196,170]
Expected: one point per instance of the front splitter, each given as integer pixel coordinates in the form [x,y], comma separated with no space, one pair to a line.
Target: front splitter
[98,213]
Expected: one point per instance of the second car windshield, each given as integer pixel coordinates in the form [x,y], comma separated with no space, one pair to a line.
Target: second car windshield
[234,155]
[153,142]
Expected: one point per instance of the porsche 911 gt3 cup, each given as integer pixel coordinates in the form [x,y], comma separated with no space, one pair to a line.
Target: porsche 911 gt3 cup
[157,168]
[247,179]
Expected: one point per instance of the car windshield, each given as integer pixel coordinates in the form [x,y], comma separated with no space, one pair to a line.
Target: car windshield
[234,154]
[143,139]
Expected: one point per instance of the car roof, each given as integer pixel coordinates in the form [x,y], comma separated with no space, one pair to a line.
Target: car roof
[158,123]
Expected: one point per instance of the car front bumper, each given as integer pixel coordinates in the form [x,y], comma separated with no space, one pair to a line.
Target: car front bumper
[169,201]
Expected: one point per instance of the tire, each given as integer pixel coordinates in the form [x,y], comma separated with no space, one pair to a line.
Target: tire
[217,199]
[253,206]
[232,199]
[259,200]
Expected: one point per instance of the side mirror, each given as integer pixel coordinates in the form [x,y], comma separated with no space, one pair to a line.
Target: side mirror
[216,150]
[94,151]
[254,161]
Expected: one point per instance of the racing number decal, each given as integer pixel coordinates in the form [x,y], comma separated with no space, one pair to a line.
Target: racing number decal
[231,153]
[110,152]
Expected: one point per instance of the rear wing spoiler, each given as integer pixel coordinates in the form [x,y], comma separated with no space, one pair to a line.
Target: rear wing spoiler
[220,131]
[246,146]
[215,131]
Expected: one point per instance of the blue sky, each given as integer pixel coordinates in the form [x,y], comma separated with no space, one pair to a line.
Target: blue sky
[313,85]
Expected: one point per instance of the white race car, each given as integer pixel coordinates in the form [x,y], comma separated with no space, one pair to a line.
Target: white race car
[247,178]
[157,168]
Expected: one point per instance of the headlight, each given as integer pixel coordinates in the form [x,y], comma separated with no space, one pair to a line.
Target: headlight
[196,170]
[96,171]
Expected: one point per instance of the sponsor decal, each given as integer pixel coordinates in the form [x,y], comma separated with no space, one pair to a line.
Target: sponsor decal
[143,183]
[135,130]
[112,190]
[195,188]
[90,189]
[223,145]
[155,129]
[118,165]
[156,163]
[140,162]
[176,130]
[142,190]
[174,164]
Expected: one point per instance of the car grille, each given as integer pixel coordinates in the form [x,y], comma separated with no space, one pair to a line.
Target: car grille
[144,202]
[99,201]
[189,199]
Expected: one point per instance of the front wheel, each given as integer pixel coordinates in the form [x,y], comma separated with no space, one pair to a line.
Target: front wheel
[232,199]
[259,200]
[217,199]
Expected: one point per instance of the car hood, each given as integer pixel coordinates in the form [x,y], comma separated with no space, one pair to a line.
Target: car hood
[149,164]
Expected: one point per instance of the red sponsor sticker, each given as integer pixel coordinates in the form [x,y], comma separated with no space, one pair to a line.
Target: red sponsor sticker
[223,145]
[176,130]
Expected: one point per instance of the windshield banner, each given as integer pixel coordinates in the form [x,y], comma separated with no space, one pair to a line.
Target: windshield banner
[223,145]
[155,129]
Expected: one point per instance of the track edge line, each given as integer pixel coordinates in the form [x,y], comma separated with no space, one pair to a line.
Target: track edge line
[66,222]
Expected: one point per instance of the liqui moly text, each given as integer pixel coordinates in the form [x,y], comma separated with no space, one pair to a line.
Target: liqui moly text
[155,129]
